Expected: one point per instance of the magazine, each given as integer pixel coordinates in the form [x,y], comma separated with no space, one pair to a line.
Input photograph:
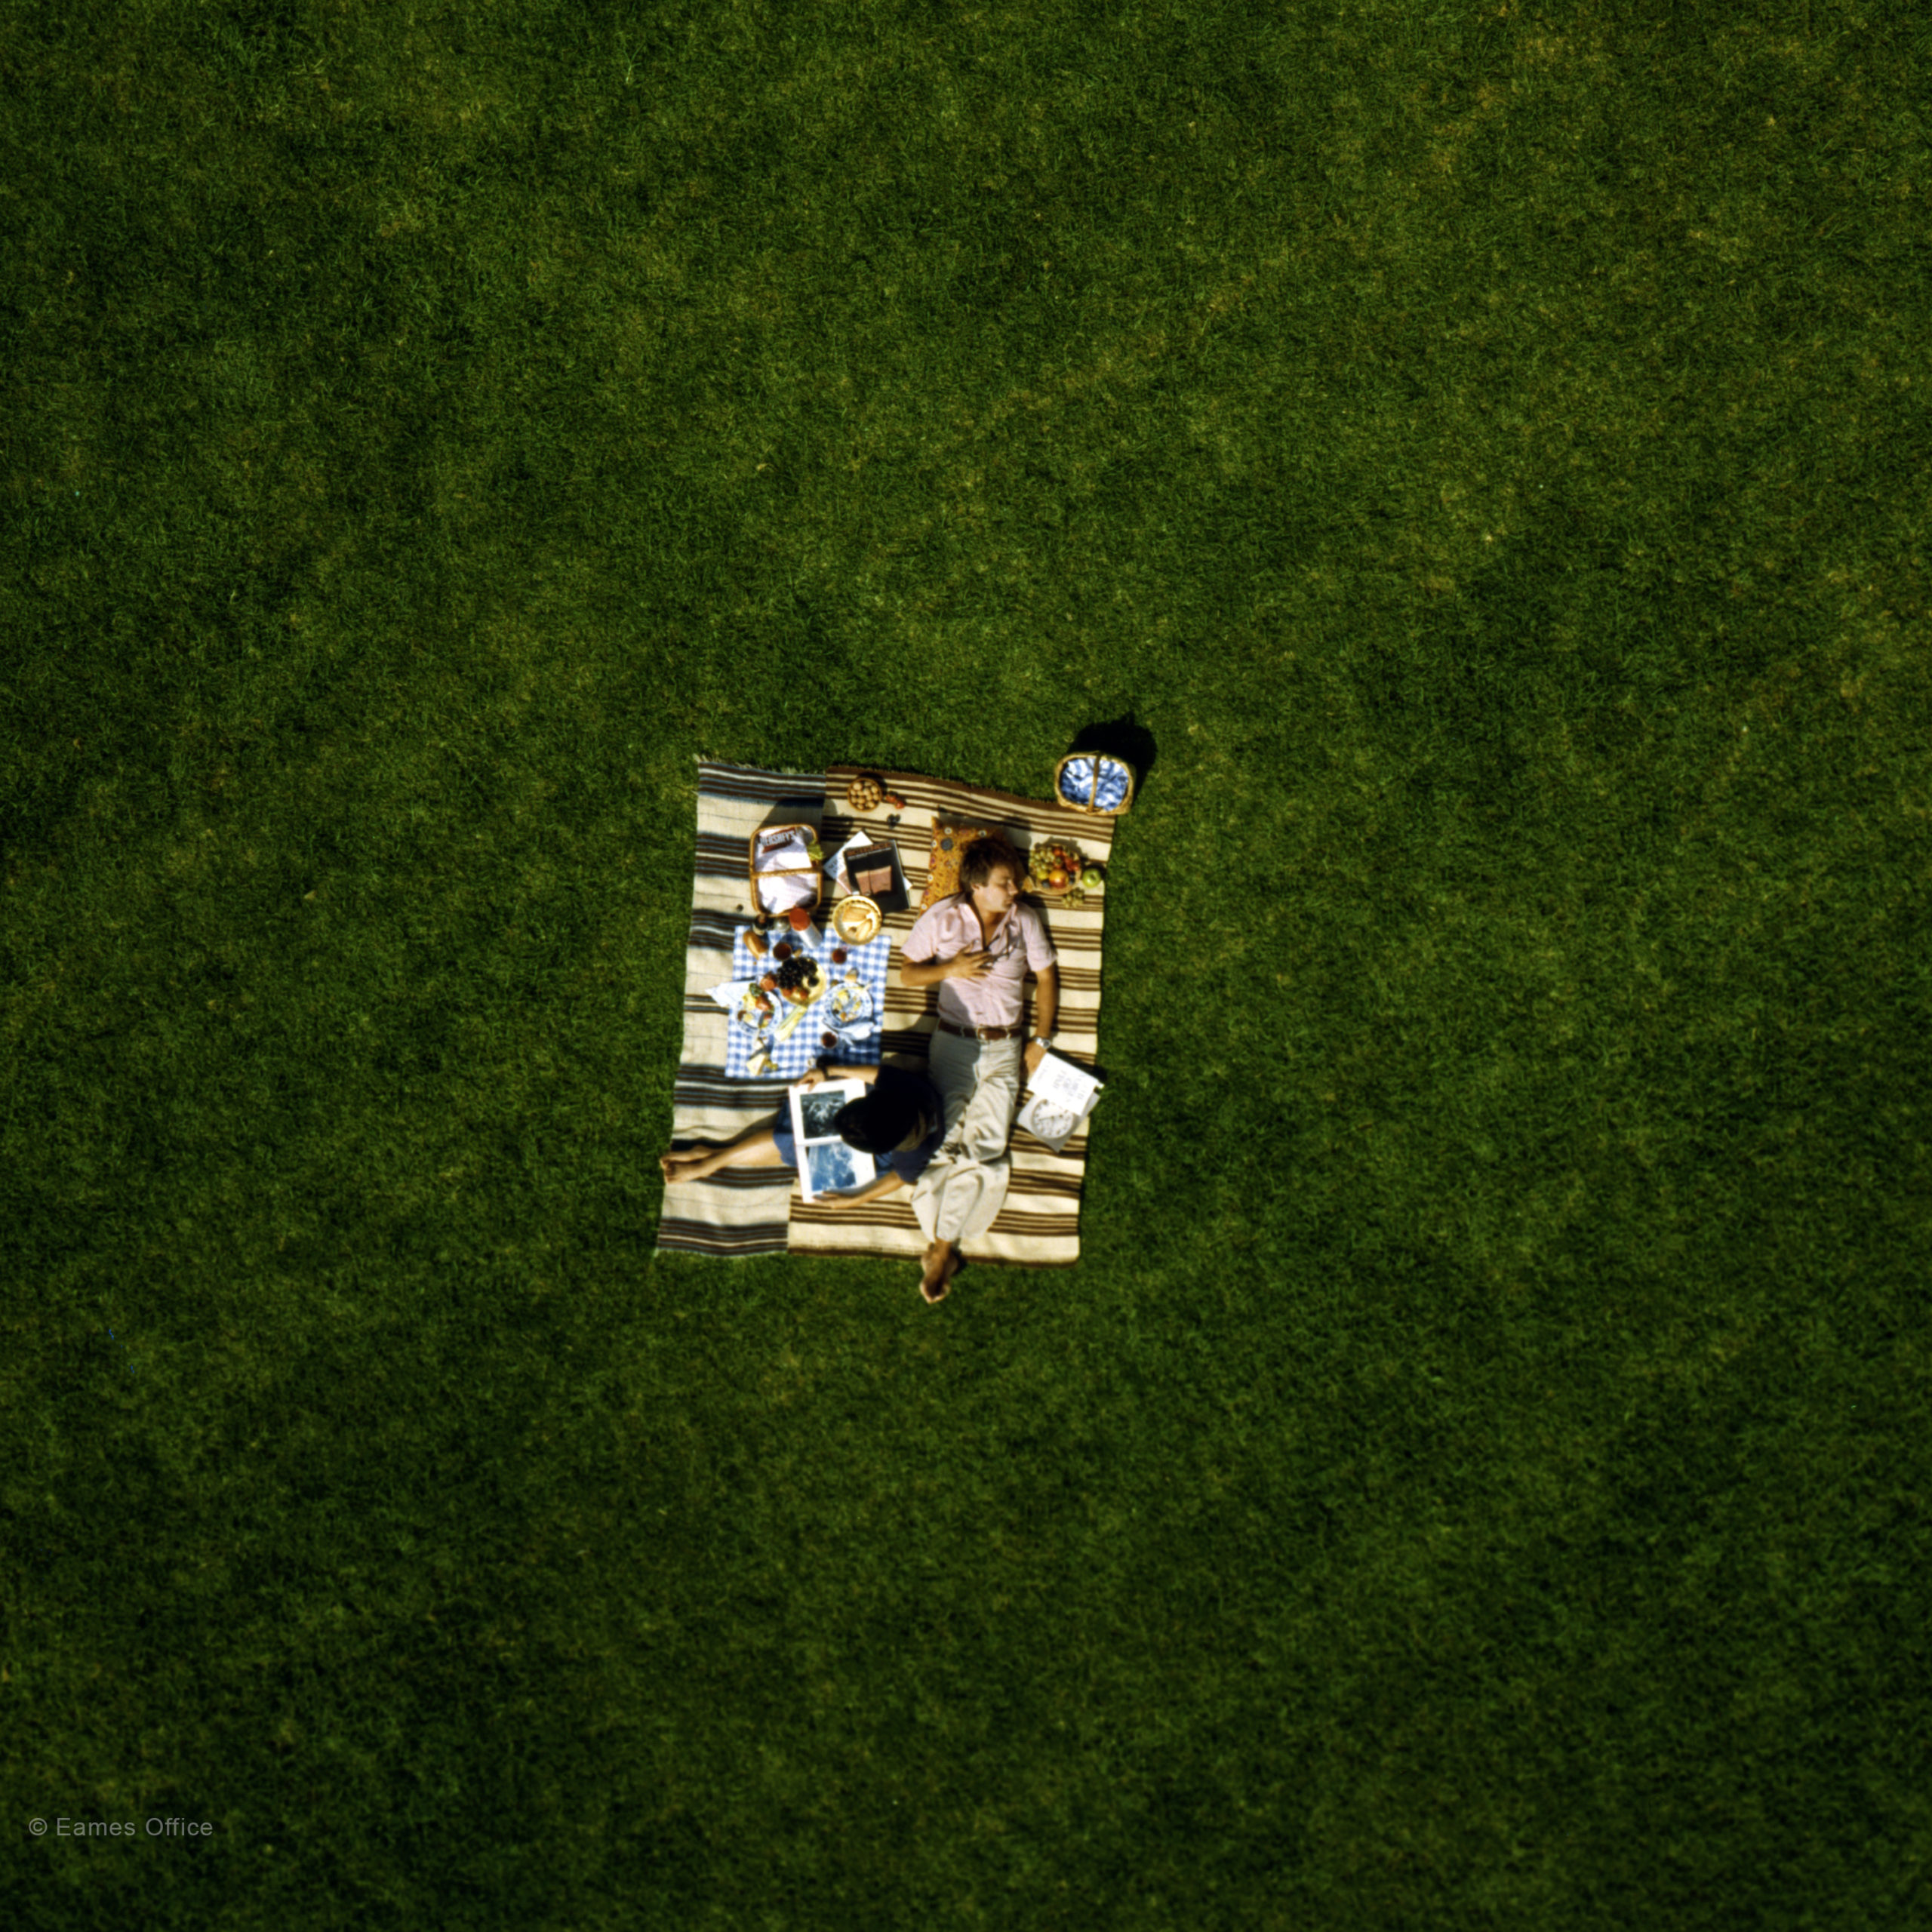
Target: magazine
[826,1165]
[835,870]
[1059,1098]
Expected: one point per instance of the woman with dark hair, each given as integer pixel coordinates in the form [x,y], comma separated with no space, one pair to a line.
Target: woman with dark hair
[900,1118]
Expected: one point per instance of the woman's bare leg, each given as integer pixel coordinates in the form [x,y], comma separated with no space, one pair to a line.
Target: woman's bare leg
[755,1149]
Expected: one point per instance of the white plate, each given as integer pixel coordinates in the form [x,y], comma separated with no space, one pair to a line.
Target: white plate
[851,999]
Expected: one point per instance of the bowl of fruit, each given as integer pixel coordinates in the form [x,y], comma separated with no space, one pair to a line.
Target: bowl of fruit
[1052,866]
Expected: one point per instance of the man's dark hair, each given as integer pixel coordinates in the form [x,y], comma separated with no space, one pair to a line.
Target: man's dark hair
[876,1122]
[984,857]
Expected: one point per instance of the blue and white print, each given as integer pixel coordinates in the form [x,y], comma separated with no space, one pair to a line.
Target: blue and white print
[1076,783]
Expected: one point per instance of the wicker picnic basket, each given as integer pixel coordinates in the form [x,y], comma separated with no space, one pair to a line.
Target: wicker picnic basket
[1095,773]
[763,840]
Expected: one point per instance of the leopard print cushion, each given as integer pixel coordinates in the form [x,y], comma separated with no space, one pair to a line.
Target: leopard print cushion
[950,844]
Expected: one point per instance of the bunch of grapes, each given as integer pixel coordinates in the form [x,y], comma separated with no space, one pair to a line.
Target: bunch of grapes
[796,975]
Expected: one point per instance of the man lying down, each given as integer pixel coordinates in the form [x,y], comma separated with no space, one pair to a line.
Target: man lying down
[900,1118]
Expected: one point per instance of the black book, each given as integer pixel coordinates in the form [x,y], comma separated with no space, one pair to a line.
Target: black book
[875,870]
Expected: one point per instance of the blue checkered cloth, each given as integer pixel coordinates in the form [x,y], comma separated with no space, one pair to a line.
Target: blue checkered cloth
[795,1057]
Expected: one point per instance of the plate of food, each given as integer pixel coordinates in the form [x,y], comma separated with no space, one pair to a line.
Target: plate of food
[857,919]
[851,999]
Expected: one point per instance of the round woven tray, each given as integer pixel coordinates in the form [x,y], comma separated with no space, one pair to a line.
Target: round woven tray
[857,919]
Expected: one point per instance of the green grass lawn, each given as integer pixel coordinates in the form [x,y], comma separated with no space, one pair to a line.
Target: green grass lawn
[1477,1475]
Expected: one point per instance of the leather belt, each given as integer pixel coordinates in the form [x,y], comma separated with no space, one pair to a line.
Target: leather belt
[982,1032]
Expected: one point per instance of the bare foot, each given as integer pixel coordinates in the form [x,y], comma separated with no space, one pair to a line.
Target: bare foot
[675,1166]
[932,1281]
[939,1272]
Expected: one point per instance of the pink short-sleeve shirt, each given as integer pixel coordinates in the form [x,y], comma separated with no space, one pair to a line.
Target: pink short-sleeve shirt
[1020,942]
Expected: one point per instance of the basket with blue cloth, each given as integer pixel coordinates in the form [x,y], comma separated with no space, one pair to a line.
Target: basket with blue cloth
[1092,782]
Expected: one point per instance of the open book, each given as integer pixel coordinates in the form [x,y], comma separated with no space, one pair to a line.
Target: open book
[826,1165]
[1059,1098]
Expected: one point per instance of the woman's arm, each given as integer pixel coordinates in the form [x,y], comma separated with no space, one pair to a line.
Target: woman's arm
[888,1182]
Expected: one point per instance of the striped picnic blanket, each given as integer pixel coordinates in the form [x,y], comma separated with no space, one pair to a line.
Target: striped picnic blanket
[745,1211]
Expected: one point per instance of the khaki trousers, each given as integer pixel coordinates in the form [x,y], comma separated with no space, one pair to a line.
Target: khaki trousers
[963,1186]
